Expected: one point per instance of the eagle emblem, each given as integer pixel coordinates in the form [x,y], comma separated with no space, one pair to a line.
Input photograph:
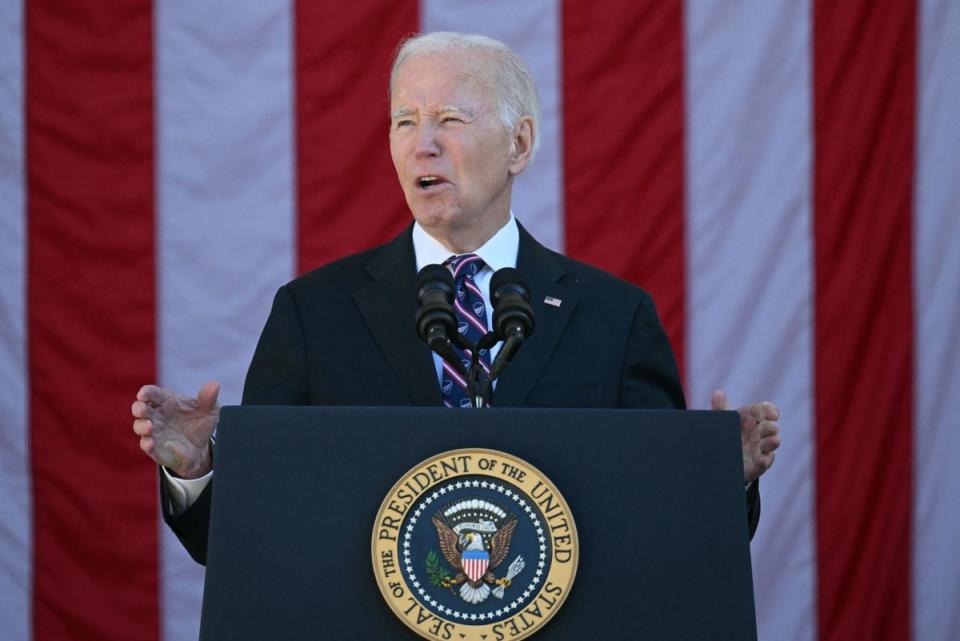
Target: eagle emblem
[474,537]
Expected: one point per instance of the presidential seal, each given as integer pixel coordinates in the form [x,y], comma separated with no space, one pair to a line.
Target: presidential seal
[474,544]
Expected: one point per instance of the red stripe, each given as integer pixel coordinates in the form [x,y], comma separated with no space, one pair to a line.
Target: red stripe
[864,95]
[347,191]
[623,145]
[89,157]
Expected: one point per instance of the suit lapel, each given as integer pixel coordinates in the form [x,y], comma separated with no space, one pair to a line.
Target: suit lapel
[543,274]
[388,305]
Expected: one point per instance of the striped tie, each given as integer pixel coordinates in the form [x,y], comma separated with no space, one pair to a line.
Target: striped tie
[472,323]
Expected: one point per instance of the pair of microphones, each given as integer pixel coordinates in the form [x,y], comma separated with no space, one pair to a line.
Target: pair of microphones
[436,323]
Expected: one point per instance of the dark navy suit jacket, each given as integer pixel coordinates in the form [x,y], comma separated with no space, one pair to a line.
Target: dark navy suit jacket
[344,335]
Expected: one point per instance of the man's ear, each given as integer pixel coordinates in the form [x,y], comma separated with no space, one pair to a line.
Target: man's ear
[521,145]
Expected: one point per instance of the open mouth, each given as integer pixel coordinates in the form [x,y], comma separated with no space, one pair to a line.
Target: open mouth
[428,182]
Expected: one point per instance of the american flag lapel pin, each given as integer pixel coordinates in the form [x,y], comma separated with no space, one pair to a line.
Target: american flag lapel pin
[550,300]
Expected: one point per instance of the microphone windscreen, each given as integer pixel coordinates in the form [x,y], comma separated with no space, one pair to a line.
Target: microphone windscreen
[435,277]
[511,303]
[505,280]
[435,318]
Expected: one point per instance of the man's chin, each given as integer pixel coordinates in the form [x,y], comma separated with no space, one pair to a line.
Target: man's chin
[439,218]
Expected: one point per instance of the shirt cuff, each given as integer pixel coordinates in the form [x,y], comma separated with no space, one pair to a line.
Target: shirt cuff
[184,492]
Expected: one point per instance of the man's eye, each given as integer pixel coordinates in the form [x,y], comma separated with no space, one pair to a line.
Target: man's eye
[403,123]
[452,120]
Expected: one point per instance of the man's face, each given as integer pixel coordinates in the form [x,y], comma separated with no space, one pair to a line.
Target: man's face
[454,158]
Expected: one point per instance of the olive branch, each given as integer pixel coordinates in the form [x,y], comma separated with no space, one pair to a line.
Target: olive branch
[435,571]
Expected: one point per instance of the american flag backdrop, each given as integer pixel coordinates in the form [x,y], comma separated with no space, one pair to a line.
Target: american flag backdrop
[782,175]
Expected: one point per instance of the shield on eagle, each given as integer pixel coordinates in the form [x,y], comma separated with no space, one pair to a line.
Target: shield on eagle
[475,563]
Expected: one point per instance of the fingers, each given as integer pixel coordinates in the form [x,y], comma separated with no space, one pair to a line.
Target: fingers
[767,429]
[771,412]
[207,396]
[143,427]
[769,445]
[140,409]
[761,437]
[768,436]
[718,400]
[765,411]
[153,395]
[765,462]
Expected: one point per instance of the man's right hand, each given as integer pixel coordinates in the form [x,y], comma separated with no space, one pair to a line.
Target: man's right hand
[175,430]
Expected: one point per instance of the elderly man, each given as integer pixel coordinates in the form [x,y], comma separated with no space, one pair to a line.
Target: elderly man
[464,123]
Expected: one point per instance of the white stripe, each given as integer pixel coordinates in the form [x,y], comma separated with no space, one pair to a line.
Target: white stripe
[454,375]
[472,287]
[464,263]
[936,531]
[750,265]
[15,499]
[470,317]
[532,29]
[225,210]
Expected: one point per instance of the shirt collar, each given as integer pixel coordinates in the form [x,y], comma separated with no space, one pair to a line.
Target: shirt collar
[498,252]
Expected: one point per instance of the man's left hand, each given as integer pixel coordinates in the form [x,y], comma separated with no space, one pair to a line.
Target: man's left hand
[759,434]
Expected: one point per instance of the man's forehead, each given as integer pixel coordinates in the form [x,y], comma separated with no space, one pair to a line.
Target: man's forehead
[435,76]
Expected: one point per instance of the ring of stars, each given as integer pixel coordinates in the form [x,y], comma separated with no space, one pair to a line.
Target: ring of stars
[506,608]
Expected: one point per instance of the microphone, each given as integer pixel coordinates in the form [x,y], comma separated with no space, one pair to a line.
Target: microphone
[435,319]
[512,315]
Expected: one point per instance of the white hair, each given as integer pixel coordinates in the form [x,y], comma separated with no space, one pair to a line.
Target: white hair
[516,93]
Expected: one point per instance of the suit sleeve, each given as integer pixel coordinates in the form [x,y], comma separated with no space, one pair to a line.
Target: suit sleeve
[278,371]
[192,524]
[277,376]
[651,380]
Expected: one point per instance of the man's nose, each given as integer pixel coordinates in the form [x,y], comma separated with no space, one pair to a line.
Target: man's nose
[427,144]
